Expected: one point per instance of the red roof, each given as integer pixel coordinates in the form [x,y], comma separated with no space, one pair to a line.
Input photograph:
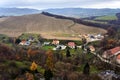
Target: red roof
[114,50]
[118,57]
[71,44]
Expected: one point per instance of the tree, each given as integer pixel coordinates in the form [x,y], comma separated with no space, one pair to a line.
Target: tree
[111,31]
[17,41]
[33,67]
[75,48]
[29,76]
[84,40]
[48,74]
[68,53]
[86,69]
[49,61]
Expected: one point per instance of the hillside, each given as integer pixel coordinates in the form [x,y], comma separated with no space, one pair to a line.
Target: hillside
[70,12]
[82,12]
[17,11]
[44,25]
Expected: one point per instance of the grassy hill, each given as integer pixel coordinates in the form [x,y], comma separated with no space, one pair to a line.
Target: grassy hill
[44,25]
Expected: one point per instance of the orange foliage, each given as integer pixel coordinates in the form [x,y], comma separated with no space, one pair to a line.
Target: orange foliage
[33,67]
[31,52]
[17,57]
[111,41]
[6,52]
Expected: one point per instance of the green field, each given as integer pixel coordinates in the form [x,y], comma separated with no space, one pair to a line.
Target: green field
[110,17]
[28,35]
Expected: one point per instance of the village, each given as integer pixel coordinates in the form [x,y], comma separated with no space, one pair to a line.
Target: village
[84,50]
[112,55]
[55,44]
[58,44]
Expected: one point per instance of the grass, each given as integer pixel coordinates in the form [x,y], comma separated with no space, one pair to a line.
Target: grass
[24,64]
[62,35]
[110,17]
[28,35]
[48,47]
[93,69]
[40,69]
[93,21]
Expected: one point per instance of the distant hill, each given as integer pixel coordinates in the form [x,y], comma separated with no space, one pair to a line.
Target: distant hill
[70,12]
[44,25]
[17,11]
[83,12]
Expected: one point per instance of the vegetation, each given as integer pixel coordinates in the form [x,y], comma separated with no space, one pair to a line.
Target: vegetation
[86,69]
[106,18]
[19,62]
[26,36]
[93,21]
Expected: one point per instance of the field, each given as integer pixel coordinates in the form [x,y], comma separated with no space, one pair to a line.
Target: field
[106,18]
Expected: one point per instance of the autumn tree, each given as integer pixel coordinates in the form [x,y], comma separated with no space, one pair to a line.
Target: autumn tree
[111,31]
[33,66]
[29,76]
[49,60]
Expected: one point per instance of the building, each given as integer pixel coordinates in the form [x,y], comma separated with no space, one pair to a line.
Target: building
[114,52]
[27,43]
[60,47]
[46,43]
[56,42]
[71,44]
[92,49]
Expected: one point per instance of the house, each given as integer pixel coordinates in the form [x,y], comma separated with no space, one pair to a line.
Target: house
[111,53]
[99,36]
[27,43]
[92,49]
[62,47]
[55,42]
[46,43]
[79,46]
[71,44]
[22,42]
[118,59]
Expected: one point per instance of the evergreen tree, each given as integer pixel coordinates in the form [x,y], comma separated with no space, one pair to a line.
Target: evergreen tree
[48,74]
[68,53]
[17,41]
[86,69]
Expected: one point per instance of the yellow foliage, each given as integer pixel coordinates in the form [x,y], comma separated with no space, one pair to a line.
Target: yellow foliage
[49,61]
[33,67]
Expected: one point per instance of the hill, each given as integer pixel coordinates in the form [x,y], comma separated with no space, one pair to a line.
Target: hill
[45,25]
[83,12]
[17,11]
[70,12]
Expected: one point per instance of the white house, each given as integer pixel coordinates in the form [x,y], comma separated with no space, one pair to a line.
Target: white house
[46,43]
